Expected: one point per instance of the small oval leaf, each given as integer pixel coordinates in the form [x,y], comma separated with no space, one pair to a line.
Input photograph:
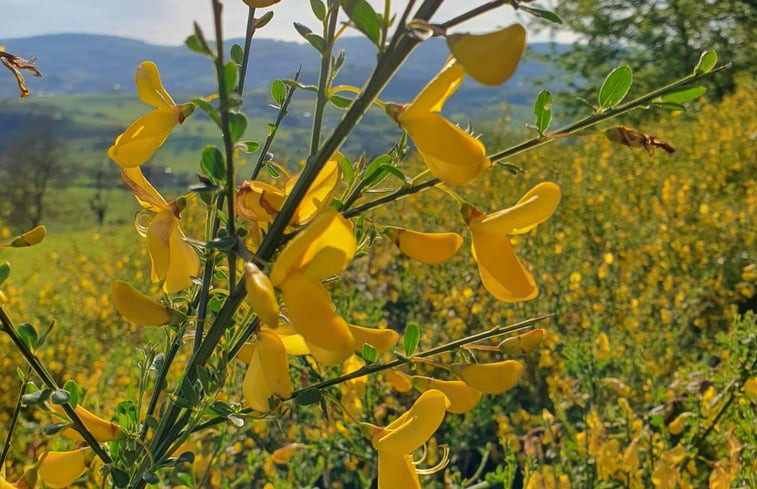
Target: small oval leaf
[412,337]
[684,95]
[707,61]
[615,87]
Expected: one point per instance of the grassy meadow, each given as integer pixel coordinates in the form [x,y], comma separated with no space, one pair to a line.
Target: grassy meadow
[647,376]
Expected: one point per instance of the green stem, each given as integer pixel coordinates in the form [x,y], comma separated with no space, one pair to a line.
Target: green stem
[13,421]
[324,81]
[272,134]
[247,46]
[568,130]
[47,379]
[474,13]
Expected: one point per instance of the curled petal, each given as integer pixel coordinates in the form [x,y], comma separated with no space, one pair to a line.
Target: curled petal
[184,263]
[314,316]
[61,469]
[438,90]
[453,156]
[267,374]
[259,201]
[318,195]
[501,271]
[429,248]
[150,88]
[324,248]
[260,294]
[462,398]
[532,209]
[380,339]
[491,378]
[490,59]
[143,137]
[145,193]
[396,471]
[158,237]
[411,430]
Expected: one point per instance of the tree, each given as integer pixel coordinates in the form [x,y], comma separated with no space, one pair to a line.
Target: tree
[30,163]
[659,39]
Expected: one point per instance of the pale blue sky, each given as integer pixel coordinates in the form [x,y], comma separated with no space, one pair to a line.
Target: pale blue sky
[169,22]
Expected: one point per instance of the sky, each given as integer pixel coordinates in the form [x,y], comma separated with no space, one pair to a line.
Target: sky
[169,22]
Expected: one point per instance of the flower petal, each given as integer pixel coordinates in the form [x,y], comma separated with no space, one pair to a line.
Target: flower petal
[268,373]
[318,195]
[491,378]
[380,339]
[396,471]
[452,155]
[501,271]
[490,59]
[411,430]
[259,201]
[462,397]
[158,237]
[142,138]
[323,248]
[150,87]
[437,91]
[314,316]
[145,193]
[183,265]
[60,469]
[532,209]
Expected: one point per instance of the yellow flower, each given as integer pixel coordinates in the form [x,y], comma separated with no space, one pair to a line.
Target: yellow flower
[490,59]
[324,248]
[172,258]
[462,398]
[490,378]
[267,374]
[452,155]
[60,469]
[144,136]
[501,271]
[403,436]
[260,202]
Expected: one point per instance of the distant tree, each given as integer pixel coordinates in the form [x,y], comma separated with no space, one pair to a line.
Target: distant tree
[30,163]
[660,39]
[100,200]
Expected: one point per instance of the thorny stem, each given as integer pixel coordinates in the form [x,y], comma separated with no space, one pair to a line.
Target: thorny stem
[324,81]
[568,130]
[47,379]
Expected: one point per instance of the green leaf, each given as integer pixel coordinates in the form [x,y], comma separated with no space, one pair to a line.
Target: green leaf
[5,271]
[248,146]
[615,87]
[303,30]
[278,92]
[374,169]
[707,61]
[222,243]
[126,410]
[263,20]
[37,397]
[670,106]
[543,110]
[28,335]
[20,374]
[347,169]
[370,355]
[73,392]
[340,102]
[272,170]
[237,125]
[364,18]
[230,71]
[307,397]
[213,164]
[208,109]
[120,478]
[412,337]
[194,44]
[317,42]
[237,53]
[541,13]
[684,95]
[150,478]
[319,9]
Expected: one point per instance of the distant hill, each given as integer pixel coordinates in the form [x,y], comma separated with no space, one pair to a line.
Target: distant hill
[92,64]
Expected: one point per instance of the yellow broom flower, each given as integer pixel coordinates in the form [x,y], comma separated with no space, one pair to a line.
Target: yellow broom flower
[267,373]
[173,260]
[61,469]
[490,59]
[144,136]
[501,271]
[452,155]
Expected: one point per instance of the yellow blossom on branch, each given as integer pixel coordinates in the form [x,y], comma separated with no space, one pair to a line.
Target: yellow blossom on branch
[144,136]
[490,59]
[501,271]
[173,260]
[453,155]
